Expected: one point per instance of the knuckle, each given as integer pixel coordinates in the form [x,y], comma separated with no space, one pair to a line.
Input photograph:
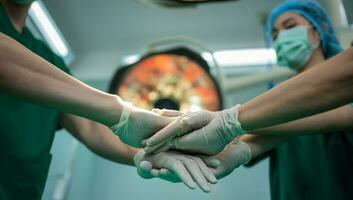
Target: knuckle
[177,163]
[197,159]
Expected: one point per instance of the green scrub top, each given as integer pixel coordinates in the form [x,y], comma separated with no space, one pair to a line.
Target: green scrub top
[26,130]
[313,167]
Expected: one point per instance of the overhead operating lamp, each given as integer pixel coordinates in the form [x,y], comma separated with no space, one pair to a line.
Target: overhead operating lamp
[179,78]
[180,3]
[176,78]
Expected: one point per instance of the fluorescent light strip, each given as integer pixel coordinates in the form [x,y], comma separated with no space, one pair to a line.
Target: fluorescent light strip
[48,29]
[245,57]
[231,58]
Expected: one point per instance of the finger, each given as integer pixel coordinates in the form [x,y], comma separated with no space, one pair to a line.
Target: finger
[179,169]
[167,112]
[144,169]
[219,172]
[202,141]
[169,179]
[152,148]
[187,143]
[170,131]
[164,174]
[169,175]
[181,126]
[167,146]
[210,161]
[205,170]
[145,166]
[164,147]
[155,172]
[197,120]
[196,174]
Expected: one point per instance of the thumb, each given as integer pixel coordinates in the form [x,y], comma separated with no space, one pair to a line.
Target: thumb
[210,161]
[144,169]
[179,127]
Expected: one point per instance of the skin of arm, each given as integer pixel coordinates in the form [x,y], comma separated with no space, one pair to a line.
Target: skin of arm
[25,75]
[322,88]
[263,140]
[98,138]
[28,76]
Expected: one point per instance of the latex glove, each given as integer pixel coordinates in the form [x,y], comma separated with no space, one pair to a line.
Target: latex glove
[174,166]
[137,124]
[235,154]
[208,132]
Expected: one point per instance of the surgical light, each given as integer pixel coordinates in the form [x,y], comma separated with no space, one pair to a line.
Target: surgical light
[177,79]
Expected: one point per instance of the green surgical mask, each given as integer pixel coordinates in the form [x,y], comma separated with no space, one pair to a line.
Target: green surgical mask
[293,47]
[23,1]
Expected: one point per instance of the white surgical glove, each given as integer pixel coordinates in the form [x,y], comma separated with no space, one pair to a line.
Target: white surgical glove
[174,166]
[208,132]
[137,124]
[235,154]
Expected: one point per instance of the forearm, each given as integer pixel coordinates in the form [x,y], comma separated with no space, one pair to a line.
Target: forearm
[99,139]
[107,145]
[322,88]
[340,119]
[260,144]
[263,140]
[28,76]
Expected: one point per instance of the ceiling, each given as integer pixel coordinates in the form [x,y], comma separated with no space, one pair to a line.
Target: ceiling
[126,25]
[101,32]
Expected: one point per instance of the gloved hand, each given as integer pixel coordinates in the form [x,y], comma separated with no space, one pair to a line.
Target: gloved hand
[209,132]
[235,154]
[137,124]
[174,166]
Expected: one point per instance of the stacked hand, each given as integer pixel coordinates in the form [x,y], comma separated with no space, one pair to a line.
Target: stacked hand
[174,166]
[208,132]
[202,132]
[136,124]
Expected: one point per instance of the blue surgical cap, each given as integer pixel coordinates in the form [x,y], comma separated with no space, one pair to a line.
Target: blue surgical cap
[316,15]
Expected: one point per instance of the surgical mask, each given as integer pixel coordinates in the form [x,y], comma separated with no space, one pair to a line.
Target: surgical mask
[23,1]
[293,47]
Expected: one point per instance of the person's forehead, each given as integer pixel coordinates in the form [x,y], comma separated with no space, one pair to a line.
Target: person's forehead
[287,16]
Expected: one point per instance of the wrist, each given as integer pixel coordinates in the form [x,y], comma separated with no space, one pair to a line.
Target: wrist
[112,110]
[232,126]
[243,150]
[255,146]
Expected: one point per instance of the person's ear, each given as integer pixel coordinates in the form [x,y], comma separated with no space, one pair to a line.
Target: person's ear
[317,36]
